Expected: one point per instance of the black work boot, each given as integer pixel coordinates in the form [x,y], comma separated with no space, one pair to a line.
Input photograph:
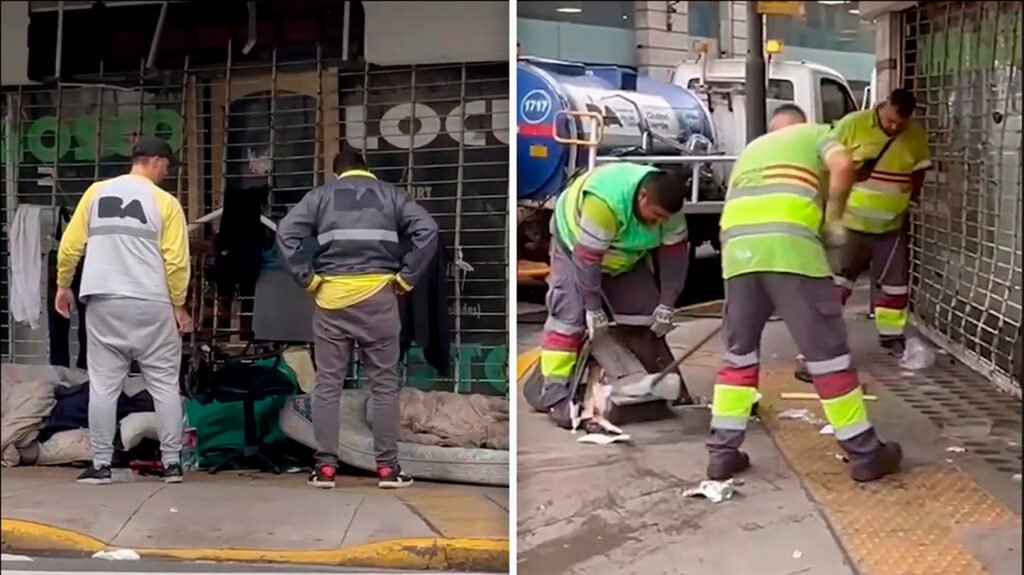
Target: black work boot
[802,373]
[561,414]
[885,461]
[894,346]
[725,464]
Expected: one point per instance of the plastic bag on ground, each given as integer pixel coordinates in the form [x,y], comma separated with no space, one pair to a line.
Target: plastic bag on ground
[917,355]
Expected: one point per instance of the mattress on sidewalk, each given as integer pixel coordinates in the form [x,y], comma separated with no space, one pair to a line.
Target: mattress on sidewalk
[479,466]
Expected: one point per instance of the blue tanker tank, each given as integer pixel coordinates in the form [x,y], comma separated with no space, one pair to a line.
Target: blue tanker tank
[625,100]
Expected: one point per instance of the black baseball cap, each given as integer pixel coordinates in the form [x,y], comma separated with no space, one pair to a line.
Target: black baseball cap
[150,147]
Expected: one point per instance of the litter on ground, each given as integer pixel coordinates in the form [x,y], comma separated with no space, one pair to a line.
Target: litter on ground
[955,449]
[603,438]
[799,414]
[814,396]
[713,491]
[827,430]
[917,355]
[116,555]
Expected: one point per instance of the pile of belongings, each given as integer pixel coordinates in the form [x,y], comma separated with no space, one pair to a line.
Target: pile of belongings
[45,418]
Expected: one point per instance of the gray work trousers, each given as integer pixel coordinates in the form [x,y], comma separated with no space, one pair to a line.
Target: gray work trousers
[374,325]
[887,257]
[814,317]
[121,330]
[631,297]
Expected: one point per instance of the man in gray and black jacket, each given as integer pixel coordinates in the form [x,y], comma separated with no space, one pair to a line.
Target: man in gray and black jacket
[356,274]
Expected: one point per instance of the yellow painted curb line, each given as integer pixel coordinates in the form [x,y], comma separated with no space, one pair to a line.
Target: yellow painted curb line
[16,534]
[463,554]
[525,361]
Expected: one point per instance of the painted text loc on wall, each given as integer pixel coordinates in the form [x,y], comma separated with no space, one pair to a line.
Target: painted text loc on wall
[442,131]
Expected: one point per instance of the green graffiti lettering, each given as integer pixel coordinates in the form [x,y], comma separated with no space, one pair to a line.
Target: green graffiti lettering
[418,373]
[79,135]
[950,52]
[467,354]
[496,369]
[164,123]
[84,129]
[43,150]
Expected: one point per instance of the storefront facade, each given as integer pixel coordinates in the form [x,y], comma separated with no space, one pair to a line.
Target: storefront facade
[963,62]
[273,115]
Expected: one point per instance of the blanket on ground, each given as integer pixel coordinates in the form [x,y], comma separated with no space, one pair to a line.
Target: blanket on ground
[450,419]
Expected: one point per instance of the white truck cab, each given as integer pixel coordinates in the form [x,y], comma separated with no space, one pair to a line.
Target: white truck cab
[822,93]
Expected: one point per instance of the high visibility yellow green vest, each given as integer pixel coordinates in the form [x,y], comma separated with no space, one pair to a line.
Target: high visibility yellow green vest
[878,204]
[773,211]
[617,185]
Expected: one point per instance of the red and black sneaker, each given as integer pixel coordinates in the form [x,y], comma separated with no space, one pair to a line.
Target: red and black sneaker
[322,476]
[392,478]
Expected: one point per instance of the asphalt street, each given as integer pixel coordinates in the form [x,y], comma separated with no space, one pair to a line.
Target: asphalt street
[25,565]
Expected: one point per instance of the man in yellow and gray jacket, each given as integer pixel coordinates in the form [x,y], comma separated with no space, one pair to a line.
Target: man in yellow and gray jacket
[773,260]
[135,278]
[890,155]
[358,268]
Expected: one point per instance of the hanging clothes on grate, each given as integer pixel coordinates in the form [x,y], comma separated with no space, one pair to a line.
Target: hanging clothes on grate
[425,318]
[282,310]
[60,326]
[240,240]
[26,252]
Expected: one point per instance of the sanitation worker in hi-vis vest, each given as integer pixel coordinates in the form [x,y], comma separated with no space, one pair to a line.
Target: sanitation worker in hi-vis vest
[890,156]
[606,224]
[774,260]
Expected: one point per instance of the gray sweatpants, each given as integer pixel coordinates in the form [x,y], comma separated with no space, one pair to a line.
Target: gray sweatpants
[121,330]
[374,325]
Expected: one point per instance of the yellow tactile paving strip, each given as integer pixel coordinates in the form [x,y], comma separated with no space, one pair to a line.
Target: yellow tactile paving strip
[902,525]
[458,512]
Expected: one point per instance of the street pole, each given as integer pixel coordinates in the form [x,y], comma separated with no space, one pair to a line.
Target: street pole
[756,102]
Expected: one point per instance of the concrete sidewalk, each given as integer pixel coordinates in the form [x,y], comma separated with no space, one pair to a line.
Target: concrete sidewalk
[585,509]
[259,518]
[954,509]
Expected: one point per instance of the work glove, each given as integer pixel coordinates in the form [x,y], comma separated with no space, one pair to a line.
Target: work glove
[662,320]
[835,234]
[597,324]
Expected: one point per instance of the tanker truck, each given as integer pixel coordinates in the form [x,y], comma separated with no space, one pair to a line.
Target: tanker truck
[572,116]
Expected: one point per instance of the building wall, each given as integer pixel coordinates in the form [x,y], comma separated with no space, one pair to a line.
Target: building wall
[438,128]
[577,42]
[667,33]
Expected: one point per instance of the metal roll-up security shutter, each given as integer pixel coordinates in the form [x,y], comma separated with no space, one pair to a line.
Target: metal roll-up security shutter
[60,141]
[5,199]
[963,62]
[441,131]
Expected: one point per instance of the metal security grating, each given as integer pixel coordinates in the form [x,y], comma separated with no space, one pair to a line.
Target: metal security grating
[963,62]
[440,131]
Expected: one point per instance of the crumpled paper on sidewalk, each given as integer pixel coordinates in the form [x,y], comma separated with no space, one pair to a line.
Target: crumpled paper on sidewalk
[604,438]
[801,414]
[713,491]
[116,555]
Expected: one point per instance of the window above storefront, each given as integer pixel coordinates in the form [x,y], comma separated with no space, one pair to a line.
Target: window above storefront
[607,14]
[704,19]
[831,25]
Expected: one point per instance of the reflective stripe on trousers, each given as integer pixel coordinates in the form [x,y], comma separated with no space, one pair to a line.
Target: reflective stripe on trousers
[891,310]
